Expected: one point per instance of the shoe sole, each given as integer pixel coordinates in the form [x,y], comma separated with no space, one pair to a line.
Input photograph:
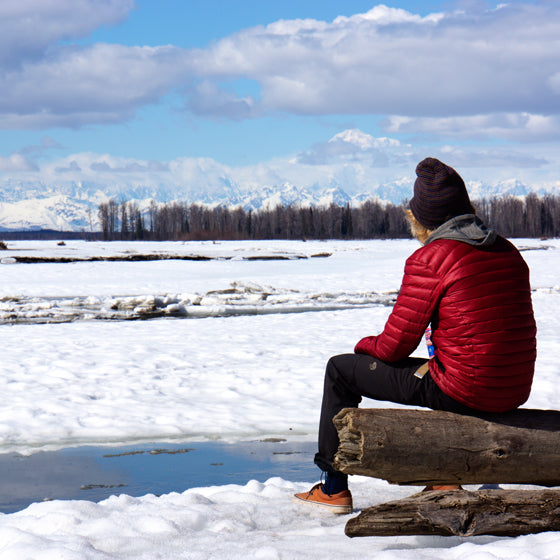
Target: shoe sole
[333,508]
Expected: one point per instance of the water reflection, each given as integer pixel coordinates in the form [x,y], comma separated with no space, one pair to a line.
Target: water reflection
[95,473]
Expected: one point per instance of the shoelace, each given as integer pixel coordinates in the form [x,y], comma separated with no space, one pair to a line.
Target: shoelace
[318,485]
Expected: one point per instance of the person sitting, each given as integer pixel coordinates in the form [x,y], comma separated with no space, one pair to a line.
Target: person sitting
[467,284]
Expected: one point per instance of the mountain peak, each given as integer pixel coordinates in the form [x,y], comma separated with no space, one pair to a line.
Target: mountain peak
[362,140]
[74,206]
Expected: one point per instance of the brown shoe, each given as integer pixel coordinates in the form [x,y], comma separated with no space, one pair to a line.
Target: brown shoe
[341,502]
[442,487]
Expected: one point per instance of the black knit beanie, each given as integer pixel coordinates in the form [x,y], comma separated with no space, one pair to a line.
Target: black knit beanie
[439,194]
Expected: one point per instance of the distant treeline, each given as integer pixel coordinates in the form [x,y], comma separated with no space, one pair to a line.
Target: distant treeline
[531,216]
[183,221]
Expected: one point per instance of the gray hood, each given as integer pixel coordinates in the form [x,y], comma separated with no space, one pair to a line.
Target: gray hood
[466,228]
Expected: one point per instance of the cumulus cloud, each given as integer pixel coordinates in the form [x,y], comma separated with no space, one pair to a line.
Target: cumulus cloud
[90,166]
[554,82]
[391,61]
[72,167]
[80,85]
[352,159]
[16,163]
[499,64]
[130,166]
[206,98]
[496,157]
[509,126]
[47,143]
[29,27]
[46,81]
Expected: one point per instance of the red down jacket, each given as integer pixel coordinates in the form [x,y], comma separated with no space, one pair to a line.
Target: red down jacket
[483,329]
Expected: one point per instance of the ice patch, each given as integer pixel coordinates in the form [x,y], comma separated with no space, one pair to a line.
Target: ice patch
[239,299]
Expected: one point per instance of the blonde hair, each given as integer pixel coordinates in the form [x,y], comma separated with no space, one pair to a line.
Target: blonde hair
[416,228]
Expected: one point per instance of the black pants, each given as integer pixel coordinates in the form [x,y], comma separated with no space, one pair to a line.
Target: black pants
[349,377]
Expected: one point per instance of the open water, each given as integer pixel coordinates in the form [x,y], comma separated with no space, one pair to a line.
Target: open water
[95,473]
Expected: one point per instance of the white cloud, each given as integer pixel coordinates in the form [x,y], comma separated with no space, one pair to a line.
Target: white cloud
[47,143]
[554,82]
[383,15]
[81,85]
[88,166]
[477,64]
[131,166]
[509,126]
[351,159]
[499,158]
[29,27]
[71,167]
[16,163]
[207,98]
[390,61]
[45,81]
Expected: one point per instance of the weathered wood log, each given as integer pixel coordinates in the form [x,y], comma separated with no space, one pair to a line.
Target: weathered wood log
[459,512]
[417,447]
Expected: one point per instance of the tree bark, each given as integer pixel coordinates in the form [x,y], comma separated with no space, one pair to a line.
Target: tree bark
[462,513]
[418,447]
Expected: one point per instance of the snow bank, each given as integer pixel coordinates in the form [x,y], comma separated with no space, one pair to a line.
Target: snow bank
[218,377]
[234,522]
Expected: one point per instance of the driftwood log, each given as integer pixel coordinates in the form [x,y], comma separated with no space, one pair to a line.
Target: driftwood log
[422,447]
[462,513]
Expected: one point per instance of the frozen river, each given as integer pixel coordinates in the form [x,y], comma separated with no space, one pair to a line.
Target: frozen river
[233,353]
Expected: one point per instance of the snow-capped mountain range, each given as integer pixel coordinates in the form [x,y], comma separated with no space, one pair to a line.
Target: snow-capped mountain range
[74,206]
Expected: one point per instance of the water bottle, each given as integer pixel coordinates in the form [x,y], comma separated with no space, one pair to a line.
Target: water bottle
[428,337]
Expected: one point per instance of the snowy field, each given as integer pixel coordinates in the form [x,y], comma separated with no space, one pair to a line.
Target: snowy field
[235,350]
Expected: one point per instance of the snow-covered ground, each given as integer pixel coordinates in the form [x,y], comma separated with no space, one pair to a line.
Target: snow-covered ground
[237,352]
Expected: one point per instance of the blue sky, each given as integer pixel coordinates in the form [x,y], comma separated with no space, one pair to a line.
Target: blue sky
[196,23]
[310,92]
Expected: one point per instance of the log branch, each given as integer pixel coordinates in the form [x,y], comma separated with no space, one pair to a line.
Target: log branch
[462,513]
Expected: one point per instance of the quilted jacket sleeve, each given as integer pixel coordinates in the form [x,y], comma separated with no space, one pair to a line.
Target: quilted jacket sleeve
[418,297]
